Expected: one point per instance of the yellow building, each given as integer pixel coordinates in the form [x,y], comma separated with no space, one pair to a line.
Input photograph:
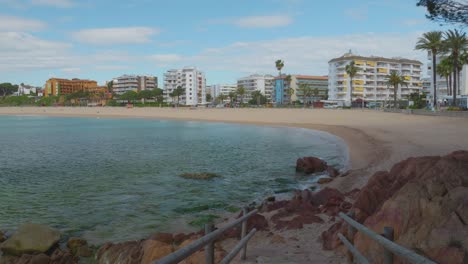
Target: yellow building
[57,87]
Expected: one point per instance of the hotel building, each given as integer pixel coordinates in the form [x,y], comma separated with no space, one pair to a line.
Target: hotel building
[257,82]
[191,80]
[370,83]
[218,89]
[135,83]
[318,83]
[57,87]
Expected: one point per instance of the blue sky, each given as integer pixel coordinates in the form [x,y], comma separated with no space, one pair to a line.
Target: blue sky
[102,39]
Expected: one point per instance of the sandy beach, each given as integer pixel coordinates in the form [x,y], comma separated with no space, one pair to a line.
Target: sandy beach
[376,140]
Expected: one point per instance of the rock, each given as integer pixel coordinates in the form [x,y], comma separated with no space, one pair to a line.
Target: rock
[124,253]
[31,239]
[2,237]
[324,195]
[270,199]
[353,193]
[309,165]
[79,247]
[324,180]
[200,176]
[332,172]
[62,257]
[154,250]
[167,238]
[277,239]
[83,251]
[26,259]
[424,199]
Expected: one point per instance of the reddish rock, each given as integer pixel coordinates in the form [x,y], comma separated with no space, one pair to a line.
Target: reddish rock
[154,250]
[62,257]
[330,238]
[332,172]
[181,237]
[2,237]
[324,195]
[309,165]
[353,193]
[125,253]
[163,237]
[324,180]
[424,199]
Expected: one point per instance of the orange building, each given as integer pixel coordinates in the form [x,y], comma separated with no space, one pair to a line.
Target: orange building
[57,87]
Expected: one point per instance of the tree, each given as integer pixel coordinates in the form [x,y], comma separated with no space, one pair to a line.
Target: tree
[241,92]
[129,96]
[256,96]
[232,96]
[395,79]
[431,41]
[446,11]
[221,98]
[110,85]
[157,94]
[8,88]
[279,65]
[179,91]
[455,43]
[351,70]
[208,97]
[144,95]
[306,91]
[444,69]
[315,92]
[290,92]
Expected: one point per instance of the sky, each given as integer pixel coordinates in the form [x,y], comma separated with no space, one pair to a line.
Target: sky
[103,39]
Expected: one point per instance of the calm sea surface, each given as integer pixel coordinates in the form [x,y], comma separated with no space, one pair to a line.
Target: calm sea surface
[118,179]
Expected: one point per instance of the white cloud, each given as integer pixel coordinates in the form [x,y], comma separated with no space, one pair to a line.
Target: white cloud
[72,70]
[263,21]
[304,55]
[111,67]
[54,3]
[110,36]
[12,23]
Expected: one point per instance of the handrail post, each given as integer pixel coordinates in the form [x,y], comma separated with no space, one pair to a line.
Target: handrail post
[388,234]
[209,248]
[351,232]
[243,234]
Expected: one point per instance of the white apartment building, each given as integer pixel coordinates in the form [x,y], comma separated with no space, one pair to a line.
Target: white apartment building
[191,80]
[442,91]
[218,89]
[125,83]
[370,83]
[262,83]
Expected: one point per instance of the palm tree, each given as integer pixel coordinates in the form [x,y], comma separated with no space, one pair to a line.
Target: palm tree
[305,91]
[455,43]
[431,41]
[257,95]
[241,91]
[351,70]
[290,92]
[279,65]
[395,79]
[221,98]
[177,93]
[444,69]
[232,95]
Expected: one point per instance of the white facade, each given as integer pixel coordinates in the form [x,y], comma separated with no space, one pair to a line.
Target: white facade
[135,83]
[191,80]
[218,89]
[370,83]
[262,83]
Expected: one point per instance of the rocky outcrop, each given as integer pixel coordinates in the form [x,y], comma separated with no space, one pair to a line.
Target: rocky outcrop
[424,199]
[324,180]
[2,237]
[309,165]
[152,249]
[79,247]
[30,239]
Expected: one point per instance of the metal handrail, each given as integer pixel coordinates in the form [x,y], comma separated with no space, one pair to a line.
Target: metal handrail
[387,244]
[187,251]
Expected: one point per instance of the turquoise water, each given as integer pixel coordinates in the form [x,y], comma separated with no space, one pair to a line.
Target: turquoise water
[118,179]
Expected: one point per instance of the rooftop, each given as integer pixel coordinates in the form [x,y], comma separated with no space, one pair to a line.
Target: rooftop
[350,56]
